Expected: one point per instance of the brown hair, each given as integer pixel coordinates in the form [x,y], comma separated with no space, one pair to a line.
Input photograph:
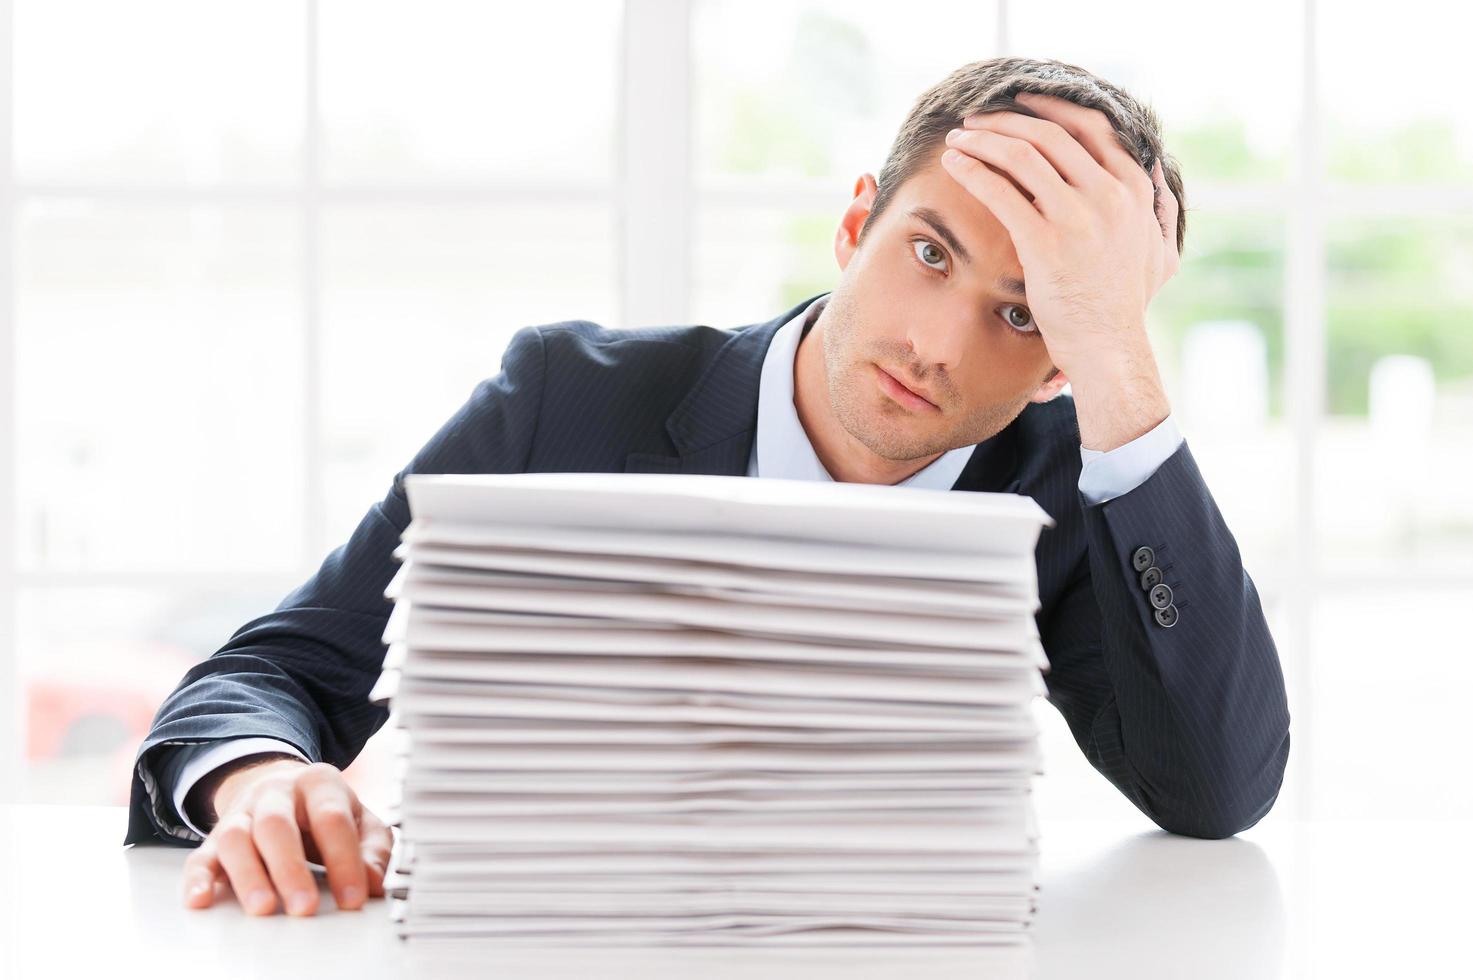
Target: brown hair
[984,86]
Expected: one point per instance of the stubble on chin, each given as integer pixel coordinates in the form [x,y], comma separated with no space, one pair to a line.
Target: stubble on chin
[891,431]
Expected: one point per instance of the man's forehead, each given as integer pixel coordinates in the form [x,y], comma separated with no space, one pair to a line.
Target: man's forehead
[938,180]
[932,187]
[931,197]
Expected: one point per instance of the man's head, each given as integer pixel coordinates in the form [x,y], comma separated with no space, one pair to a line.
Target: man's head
[929,290]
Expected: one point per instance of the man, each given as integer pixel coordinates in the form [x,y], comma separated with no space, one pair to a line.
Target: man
[1024,219]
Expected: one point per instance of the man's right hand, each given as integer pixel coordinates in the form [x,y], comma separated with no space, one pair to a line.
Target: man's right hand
[274,816]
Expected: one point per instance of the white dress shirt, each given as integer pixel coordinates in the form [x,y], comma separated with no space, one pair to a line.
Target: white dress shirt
[782,450]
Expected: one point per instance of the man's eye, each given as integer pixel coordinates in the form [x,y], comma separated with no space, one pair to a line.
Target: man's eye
[929,252]
[1022,321]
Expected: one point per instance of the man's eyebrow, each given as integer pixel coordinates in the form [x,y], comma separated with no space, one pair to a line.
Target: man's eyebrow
[1013,287]
[933,218]
[1008,284]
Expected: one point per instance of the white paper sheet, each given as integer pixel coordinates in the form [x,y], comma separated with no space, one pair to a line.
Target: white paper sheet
[435,628]
[749,548]
[709,675]
[712,575]
[850,513]
[794,619]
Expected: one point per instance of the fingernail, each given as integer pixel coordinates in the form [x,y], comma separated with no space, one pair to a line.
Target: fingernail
[951,136]
[260,900]
[352,896]
[300,903]
[199,888]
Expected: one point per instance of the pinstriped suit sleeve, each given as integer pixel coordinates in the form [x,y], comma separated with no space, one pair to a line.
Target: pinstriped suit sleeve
[301,673]
[1190,722]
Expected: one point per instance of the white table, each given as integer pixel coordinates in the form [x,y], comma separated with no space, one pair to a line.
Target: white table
[1285,899]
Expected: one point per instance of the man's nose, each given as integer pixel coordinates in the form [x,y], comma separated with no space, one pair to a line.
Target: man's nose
[937,343]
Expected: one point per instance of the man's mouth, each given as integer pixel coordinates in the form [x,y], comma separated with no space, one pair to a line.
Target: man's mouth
[900,393]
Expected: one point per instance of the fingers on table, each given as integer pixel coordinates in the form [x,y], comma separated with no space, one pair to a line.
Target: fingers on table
[333,814]
[201,871]
[235,844]
[261,849]
[378,844]
[278,838]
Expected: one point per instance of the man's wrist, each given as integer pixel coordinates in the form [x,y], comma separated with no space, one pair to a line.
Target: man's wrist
[213,793]
[1118,398]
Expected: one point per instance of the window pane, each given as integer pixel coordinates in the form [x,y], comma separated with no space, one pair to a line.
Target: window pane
[468,90]
[818,88]
[1395,475]
[1228,106]
[1217,327]
[418,305]
[752,263]
[159,91]
[1379,129]
[159,411]
[90,684]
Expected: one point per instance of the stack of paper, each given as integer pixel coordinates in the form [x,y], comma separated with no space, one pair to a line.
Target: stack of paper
[647,708]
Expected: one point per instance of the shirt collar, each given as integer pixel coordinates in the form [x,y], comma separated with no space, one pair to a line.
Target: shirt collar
[782,449]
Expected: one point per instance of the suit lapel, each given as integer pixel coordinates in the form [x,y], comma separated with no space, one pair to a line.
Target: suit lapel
[714,425]
[726,459]
[993,465]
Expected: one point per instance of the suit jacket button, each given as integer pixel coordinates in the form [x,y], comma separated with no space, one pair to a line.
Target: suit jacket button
[1167,616]
[1161,596]
[1143,558]
[1150,578]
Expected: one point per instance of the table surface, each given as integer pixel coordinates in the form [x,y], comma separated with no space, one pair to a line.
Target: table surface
[1287,898]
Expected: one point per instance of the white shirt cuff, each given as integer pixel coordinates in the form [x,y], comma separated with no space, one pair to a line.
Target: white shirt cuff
[217,755]
[1109,474]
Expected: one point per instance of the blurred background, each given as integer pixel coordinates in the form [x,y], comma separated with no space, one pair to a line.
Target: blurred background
[312,225]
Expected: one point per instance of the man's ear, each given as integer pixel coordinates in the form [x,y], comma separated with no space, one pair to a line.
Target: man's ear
[846,239]
[1050,388]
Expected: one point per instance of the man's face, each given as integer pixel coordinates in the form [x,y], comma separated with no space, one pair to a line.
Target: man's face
[910,304]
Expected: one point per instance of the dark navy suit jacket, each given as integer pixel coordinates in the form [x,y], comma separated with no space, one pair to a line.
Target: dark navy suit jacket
[1190,721]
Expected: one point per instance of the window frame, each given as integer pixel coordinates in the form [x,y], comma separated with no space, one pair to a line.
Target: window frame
[654,128]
